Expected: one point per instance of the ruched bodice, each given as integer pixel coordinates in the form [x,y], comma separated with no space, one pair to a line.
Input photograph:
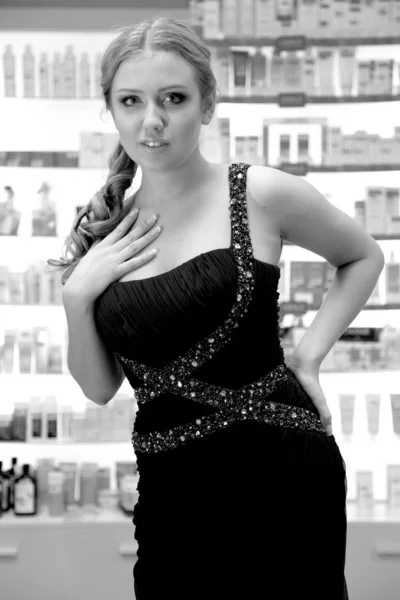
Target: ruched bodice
[200,346]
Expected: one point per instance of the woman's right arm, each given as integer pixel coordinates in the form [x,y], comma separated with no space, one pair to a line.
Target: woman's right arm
[93,366]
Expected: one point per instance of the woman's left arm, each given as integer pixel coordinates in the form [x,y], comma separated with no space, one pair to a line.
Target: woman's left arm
[306,218]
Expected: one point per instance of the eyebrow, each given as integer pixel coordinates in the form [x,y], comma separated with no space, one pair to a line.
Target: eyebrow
[168,87]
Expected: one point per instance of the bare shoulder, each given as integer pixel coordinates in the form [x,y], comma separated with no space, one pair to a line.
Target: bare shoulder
[307,219]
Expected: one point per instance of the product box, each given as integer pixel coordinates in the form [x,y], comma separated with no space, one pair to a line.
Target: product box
[292,73]
[69,73]
[309,72]
[230,11]
[84,76]
[365,492]
[225,139]
[44,76]
[246,10]
[381,20]
[98,92]
[341,8]
[212,19]
[325,17]
[347,63]
[335,146]
[363,77]
[325,72]
[308,17]
[240,62]
[91,422]
[58,76]
[90,149]
[223,71]
[375,210]
[9,72]
[28,65]
[277,67]
[394,18]
[346,404]
[264,18]
[355,17]
[393,488]
[258,70]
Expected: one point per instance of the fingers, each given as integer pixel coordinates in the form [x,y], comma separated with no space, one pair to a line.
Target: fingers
[121,229]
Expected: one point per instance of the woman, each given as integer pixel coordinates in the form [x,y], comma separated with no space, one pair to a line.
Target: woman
[242,487]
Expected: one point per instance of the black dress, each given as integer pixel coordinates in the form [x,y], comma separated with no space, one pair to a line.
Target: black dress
[242,495]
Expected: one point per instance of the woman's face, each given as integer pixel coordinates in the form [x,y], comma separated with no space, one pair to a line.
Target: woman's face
[155,96]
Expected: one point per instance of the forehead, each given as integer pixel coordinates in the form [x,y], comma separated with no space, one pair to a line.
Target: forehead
[154,69]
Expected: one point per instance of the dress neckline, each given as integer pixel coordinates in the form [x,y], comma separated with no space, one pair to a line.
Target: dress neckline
[203,255]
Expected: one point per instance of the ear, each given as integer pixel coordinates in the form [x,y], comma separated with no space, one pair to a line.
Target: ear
[208,110]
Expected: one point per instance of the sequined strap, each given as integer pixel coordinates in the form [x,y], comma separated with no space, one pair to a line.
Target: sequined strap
[248,403]
[185,365]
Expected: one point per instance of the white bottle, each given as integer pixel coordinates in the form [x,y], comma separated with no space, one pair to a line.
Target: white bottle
[28,63]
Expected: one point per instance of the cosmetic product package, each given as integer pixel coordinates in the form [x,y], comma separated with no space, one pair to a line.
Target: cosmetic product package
[240,64]
[347,64]
[230,18]
[43,468]
[10,90]
[264,18]
[346,404]
[50,417]
[372,404]
[258,69]
[212,19]
[44,76]
[245,20]
[393,488]
[69,73]
[84,76]
[55,498]
[395,404]
[88,484]
[364,493]
[28,67]
[69,471]
[35,420]
[124,468]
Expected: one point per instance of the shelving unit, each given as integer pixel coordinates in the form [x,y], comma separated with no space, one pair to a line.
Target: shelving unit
[103,542]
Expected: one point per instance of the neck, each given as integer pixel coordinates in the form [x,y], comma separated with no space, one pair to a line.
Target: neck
[173,188]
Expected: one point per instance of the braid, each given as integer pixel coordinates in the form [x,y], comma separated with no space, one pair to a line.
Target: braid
[103,212]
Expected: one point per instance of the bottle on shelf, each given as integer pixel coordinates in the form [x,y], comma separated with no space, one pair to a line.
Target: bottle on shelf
[14,472]
[5,490]
[25,493]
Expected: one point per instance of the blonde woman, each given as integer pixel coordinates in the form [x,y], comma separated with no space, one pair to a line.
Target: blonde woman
[242,486]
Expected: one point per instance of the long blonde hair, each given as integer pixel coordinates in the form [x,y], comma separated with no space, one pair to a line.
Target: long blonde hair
[107,207]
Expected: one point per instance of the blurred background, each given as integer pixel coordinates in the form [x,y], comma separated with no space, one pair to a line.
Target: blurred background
[311,87]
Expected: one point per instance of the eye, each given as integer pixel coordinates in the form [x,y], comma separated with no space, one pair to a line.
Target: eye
[123,100]
[179,97]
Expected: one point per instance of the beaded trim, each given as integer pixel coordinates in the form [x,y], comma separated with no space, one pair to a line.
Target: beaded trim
[194,358]
[249,402]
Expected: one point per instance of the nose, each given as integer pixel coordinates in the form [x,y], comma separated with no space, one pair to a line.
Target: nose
[153,118]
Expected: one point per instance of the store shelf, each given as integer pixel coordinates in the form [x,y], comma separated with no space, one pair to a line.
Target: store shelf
[301,42]
[302,169]
[301,99]
[376,236]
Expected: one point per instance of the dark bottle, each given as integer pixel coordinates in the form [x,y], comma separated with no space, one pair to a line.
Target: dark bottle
[5,489]
[25,493]
[13,473]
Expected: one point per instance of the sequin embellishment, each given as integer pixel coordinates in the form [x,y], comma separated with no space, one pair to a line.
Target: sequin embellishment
[249,402]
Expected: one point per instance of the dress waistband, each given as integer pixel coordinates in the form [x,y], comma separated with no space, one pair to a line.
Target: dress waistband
[247,403]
